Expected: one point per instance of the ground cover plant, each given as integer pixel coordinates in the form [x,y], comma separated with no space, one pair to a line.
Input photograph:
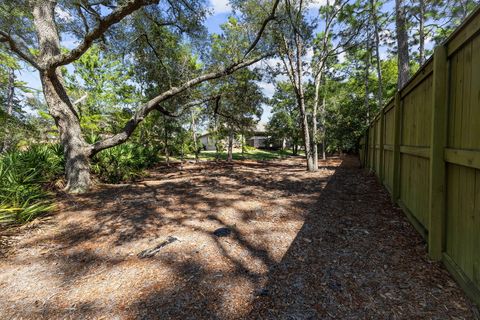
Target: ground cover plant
[25,179]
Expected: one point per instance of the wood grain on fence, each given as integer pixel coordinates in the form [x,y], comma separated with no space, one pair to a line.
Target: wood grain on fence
[424,146]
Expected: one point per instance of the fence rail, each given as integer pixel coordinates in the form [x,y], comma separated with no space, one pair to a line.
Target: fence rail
[424,146]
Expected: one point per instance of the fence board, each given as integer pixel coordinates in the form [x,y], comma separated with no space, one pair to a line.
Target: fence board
[463,233]
[414,179]
[419,144]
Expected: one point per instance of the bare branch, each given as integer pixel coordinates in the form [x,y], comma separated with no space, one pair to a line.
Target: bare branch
[96,33]
[84,19]
[18,48]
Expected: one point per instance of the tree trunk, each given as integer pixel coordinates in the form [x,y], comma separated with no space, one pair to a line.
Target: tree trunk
[76,150]
[314,121]
[301,102]
[306,135]
[165,141]
[402,43]
[324,155]
[243,145]
[11,92]
[230,147]
[377,53]
[194,137]
[421,32]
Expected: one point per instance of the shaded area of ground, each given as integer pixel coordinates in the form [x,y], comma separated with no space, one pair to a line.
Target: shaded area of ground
[357,257]
[303,246]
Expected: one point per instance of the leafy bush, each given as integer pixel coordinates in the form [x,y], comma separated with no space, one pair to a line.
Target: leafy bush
[23,175]
[124,162]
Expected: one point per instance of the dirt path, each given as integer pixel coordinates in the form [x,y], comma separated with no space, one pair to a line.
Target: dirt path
[302,246]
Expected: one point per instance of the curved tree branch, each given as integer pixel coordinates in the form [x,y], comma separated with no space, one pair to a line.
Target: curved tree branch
[18,48]
[151,105]
[96,33]
[185,106]
[262,29]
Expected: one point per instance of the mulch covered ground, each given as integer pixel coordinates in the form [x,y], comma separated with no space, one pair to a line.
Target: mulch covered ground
[295,245]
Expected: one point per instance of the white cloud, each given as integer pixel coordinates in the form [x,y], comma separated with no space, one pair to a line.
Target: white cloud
[267,88]
[62,14]
[29,95]
[318,3]
[429,42]
[220,6]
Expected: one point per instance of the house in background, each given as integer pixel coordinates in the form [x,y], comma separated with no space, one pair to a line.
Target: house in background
[259,137]
[207,141]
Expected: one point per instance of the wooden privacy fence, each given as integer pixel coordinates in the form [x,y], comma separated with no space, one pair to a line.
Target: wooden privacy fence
[424,146]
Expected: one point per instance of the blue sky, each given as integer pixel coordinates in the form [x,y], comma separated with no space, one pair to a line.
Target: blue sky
[220,15]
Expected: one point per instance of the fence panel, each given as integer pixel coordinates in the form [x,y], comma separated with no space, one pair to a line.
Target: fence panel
[377,144]
[414,147]
[462,247]
[389,137]
[430,156]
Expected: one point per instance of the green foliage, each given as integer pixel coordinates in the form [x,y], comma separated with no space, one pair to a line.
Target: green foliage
[101,88]
[125,162]
[239,107]
[285,120]
[23,179]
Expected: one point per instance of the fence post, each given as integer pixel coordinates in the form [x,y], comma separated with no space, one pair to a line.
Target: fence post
[367,151]
[370,150]
[396,146]
[374,145]
[381,158]
[437,187]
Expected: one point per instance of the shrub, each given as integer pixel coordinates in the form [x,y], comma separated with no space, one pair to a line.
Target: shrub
[125,162]
[23,176]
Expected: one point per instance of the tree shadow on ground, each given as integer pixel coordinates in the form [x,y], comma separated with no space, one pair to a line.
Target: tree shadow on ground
[354,257]
[357,257]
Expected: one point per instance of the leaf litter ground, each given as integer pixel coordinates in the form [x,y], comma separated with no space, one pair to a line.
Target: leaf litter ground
[252,240]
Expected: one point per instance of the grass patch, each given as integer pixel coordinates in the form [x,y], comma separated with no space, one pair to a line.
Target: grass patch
[250,154]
